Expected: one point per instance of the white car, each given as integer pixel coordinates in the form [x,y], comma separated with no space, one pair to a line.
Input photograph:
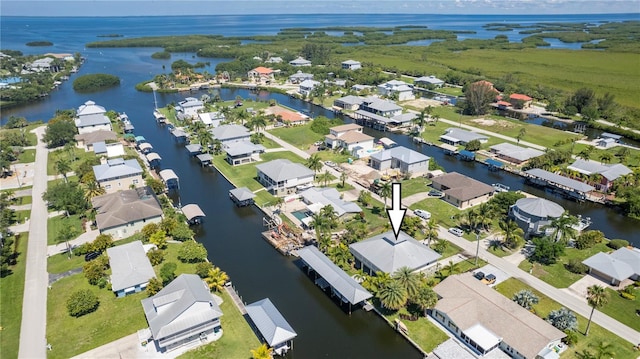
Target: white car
[456,231]
[422,214]
[330,163]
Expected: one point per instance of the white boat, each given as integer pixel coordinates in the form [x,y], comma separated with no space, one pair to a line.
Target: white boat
[499,187]
[160,118]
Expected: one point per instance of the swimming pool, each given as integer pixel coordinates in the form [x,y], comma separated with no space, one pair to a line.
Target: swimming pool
[300,214]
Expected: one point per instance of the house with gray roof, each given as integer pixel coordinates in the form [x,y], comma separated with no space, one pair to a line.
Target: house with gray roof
[385,253]
[486,321]
[130,268]
[300,62]
[462,191]
[274,329]
[349,102]
[380,107]
[428,82]
[243,152]
[307,86]
[118,174]
[299,77]
[609,172]
[403,119]
[534,214]
[401,89]
[401,159]
[351,65]
[231,133]
[281,176]
[274,60]
[182,313]
[514,154]
[211,119]
[329,196]
[459,137]
[616,267]
[122,214]
[190,107]
[350,138]
[91,117]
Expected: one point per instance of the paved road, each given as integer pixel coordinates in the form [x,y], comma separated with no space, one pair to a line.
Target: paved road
[34,305]
[577,305]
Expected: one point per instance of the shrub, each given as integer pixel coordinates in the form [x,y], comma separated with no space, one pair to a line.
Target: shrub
[473,145]
[571,339]
[101,243]
[202,269]
[618,243]
[156,256]
[181,232]
[154,286]
[149,230]
[168,272]
[576,266]
[82,249]
[588,239]
[82,302]
[159,239]
[94,270]
[192,252]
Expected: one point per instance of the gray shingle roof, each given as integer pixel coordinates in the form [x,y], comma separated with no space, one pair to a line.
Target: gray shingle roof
[387,254]
[464,135]
[330,196]
[400,153]
[242,193]
[462,187]
[92,120]
[517,152]
[350,100]
[609,171]
[129,266]
[122,207]
[227,132]
[283,169]
[336,277]
[621,264]
[96,136]
[271,324]
[184,303]
[561,180]
[539,207]
[243,148]
[117,168]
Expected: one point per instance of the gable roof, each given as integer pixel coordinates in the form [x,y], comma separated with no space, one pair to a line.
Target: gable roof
[330,196]
[228,132]
[184,303]
[271,324]
[610,171]
[129,266]
[519,153]
[122,207]
[462,187]
[96,136]
[401,154]
[116,168]
[468,302]
[350,100]
[283,169]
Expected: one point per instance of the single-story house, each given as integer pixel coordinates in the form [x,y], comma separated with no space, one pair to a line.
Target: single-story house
[211,119]
[428,81]
[190,107]
[275,330]
[384,253]
[514,154]
[486,320]
[281,176]
[299,77]
[130,268]
[307,86]
[401,89]
[124,213]
[402,159]
[351,65]
[457,136]
[182,313]
[360,88]
[91,117]
[231,133]
[274,60]
[462,191]
[329,196]
[622,264]
[609,172]
[349,138]
[300,62]
[533,214]
[349,102]
[287,117]
[520,101]
[261,74]
[118,174]
[87,139]
[43,64]
[380,107]
[606,142]
[403,119]
[243,152]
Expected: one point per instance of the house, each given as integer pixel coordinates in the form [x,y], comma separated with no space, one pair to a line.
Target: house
[261,74]
[182,313]
[281,176]
[608,172]
[351,65]
[360,88]
[457,136]
[243,152]
[211,119]
[514,154]
[616,267]
[399,89]
[273,328]
[130,268]
[615,137]
[124,213]
[87,139]
[401,159]
[227,134]
[606,142]
[307,86]
[487,321]
[322,197]
[520,101]
[349,102]
[384,253]
[299,77]
[403,119]
[274,60]
[462,191]
[533,214]
[349,138]
[91,117]
[44,64]
[190,107]
[108,149]
[428,82]
[380,107]
[287,117]
[300,62]
[118,174]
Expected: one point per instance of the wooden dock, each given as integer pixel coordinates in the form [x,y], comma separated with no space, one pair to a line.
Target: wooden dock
[237,300]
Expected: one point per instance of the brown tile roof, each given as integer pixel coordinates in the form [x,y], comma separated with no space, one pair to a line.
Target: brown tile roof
[462,187]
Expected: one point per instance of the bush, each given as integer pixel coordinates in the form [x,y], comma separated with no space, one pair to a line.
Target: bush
[168,272]
[546,251]
[159,239]
[181,232]
[94,82]
[82,249]
[576,266]
[156,256]
[94,270]
[588,239]
[154,286]
[571,339]
[202,269]
[82,302]
[618,243]
[473,145]
[628,296]
[192,252]
[101,243]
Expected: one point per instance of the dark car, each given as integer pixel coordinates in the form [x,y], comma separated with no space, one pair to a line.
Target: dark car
[479,275]
[91,256]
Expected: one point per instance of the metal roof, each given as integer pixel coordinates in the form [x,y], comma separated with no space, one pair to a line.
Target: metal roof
[539,207]
[229,132]
[610,172]
[90,108]
[271,324]
[129,266]
[464,135]
[243,148]
[192,211]
[145,146]
[560,180]
[117,168]
[336,277]
[373,116]
[610,135]
[330,196]
[92,120]
[465,153]
[400,153]
[193,148]
[204,157]
[242,193]
[609,265]
[519,153]
[492,162]
[283,169]
[168,175]
[99,147]
[153,156]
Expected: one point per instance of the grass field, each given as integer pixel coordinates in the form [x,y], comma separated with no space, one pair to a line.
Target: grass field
[300,136]
[440,210]
[623,310]
[27,156]
[55,224]
[79,154]
[415,185]
[11,295]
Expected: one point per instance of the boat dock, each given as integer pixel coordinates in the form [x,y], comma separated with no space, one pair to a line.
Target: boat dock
[237,300]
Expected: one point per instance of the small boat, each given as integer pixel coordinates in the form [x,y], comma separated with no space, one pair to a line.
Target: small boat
[499,187]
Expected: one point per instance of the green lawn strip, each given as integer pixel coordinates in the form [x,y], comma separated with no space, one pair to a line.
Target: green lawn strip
[338,186]
[432,131]
[623,310]
[454,91]
[440,210]
[499,252]
[597,334]
[53,182]
[55,224]
[450,251]
[27,156]
[299,136]
[334,156]
[171,255]
[237,339]
[11,296]
[556,274]
[376,217]
[30,137]
[269,143]
[415,185]
[19,201]
[21,216]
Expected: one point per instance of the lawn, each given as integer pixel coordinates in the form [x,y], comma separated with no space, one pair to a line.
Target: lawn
[415,185]
[19,201]
[556,274]
[269,143]
[75,158]
[21,216]
[55,224]
[623,310]
[299,136]
[440,210]
[454,91]
[171,255]
[27,156]
[30,137]
[11,292]
[450,251]
[237,339]
[597,334]
[376,217]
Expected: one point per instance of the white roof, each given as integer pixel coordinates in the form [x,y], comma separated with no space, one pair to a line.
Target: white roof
[283,169]
[309,83]
[117,168]
[463,135]
[271,324]
[482,336]
[168,175]
[609,265]
[539,207]
[351,62]
[229,132]
[609,171]
[90,108]
[517,152]
[129,266]
[429,79]
[329,196]
[401,154]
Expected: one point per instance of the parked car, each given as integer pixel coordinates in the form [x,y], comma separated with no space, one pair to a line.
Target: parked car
[330,163]
[422,214]
[489,279]
[318,143]
[91,256]
[456,231]
[479,275]
[435,193]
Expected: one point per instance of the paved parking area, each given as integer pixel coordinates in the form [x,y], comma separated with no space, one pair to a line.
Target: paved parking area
[489,269]
[579,288]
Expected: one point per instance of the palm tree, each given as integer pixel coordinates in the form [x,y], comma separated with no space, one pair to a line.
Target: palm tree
[431,230]
[604,350]
[525,298]
[393,295]
[409,280]
[205,138]
[258,122]
[484,216]
[340,255]
[523,131]
[452,267]
[324,177]
[262,352]
[216,279]
[93,189]
[563,227]
[419,120]
[597,297]
[314,163]
[66,234]
[343,178]
[425,298]
[606,157]
[217,146]
[513,235]
[63,167]
[385,192]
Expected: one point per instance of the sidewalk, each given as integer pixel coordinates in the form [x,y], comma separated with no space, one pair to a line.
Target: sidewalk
[62,247]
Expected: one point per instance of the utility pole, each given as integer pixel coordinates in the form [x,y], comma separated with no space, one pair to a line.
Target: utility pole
[477,247]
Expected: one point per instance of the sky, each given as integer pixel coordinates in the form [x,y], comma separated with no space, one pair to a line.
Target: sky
[243,7]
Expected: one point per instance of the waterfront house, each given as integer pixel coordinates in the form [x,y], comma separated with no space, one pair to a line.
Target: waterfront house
[568,186]
[123,213]
[349,102]
[287,117]
[211,119]
[533,214]
[616,267]
[487,321]
[108,149]
[130,268]
[190,107]
[299,77]
[307,86]
[351,65]
[43,64]
[402,159]
[227,134]
[281,176]
[184,312]
[261,74]
[606,142]
[300,62]
[274,329]
[403,119]
[399,89]
[243,152]
[462,191]
[87,139]
[514,154]
[428,82]
[380,107]
[385,253]
[91,117]
[329,196]
[520,101]
[118,174]
[459,137]
[608,173]
[349,138]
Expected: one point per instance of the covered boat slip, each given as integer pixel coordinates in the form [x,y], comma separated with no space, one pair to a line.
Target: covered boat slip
[242,196]
[341,284]
[153,159]
[170,179]
[574,189]
[273,327]
[194,213]
[205,159]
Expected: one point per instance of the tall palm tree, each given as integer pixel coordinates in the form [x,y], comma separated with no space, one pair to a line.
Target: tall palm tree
[324,177]
[262,352]
[525,298]
[452,267]
[523,131]
[431,230]
[484,216]
[205,138]
[606,157]
[258,122]
[216,279]
[65,234]
[597,297]
[343,178]
[93,189]
[563,227]
[419,120]
[425,298]
[63,167]
[393,295]
[513,235]
[409,280]
[314,163]
[385,191]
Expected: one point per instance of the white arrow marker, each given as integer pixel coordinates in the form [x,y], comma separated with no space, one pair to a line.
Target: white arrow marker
[396,214]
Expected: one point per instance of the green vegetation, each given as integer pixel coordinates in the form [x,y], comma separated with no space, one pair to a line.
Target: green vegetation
[27,156]
[39,43]
[426,334]
[440,210]
[56,224]
[621,309]
[164,55]
[95,82]
[300,136]
[11,295]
